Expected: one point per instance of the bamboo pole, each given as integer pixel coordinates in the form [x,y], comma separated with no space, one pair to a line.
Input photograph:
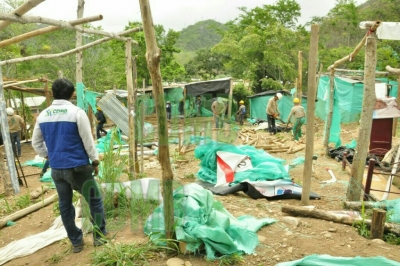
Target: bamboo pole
[16,83]
[380,73]
[364,132]
[142,128]
[131,108]
[153,55]
[5,175]
[312,70]
[19,214]
[230,101]
[49,29]
[46,92]
[300,74]
[6,139]
[330,112]
[21,10]
[58,23]
[77,49]
[353,54]
[136,128]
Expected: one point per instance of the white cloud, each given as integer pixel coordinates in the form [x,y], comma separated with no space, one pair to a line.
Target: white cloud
[175,14]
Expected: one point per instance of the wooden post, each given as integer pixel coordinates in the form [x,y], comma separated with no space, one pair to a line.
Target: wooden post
[330,112]
[22,105]
[184,109]
[142,129]
[135,89]
[230,102]
[131,107]
[6,139]
[364,131]
[368,182]
[5,176]
[46,92]
[312,72]
[300,85]
[153,55]
[378,223]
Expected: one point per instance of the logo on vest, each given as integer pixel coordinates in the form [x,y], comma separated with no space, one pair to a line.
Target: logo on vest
[52,112]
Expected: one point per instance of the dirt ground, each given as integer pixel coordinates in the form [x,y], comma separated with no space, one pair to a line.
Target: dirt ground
[278,242]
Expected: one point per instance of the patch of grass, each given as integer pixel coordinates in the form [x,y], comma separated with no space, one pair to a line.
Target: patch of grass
[132,253]
[232,259]
[189,176]
[23,201]
[6,208]
[391,238]
[362,227]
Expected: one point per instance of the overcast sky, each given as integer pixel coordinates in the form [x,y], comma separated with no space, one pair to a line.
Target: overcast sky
[174,14]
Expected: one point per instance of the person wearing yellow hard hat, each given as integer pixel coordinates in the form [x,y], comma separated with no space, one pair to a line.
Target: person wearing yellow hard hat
[241,112]
[273,112]
[299,115]
[101,120]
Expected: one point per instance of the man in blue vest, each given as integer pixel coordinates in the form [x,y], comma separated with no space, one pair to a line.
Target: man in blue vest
[62,134]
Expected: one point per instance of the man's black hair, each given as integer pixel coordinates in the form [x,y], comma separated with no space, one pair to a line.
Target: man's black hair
[63,89]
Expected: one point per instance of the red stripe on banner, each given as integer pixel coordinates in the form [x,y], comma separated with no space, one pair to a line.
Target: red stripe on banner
[229,174]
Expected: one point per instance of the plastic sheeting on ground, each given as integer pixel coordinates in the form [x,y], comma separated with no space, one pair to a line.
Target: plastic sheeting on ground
[327,260]
[37,161]
[31,244]
[199,219]
[264,165]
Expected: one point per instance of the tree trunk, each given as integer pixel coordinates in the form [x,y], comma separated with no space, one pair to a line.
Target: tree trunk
[364,132]
[153,55]
[312,72]
[136,125]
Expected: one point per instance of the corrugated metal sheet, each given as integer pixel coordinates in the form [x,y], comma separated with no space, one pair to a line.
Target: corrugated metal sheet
[115,111]
[30,101]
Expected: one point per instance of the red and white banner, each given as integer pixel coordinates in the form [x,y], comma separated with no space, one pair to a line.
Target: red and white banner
[228,164]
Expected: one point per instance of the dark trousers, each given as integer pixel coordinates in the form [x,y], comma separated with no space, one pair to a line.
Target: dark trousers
[79,179]
[271,124]
[100,129]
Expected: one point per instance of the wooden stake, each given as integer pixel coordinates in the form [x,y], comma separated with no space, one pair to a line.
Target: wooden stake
[142,128]
[398,102]
[364,132]
[131,107]
[330,113]
[378,223]
[153,54]
[312,72]
[136,126]
[230,102]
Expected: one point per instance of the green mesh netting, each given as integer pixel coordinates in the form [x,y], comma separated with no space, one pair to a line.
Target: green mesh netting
[258,106]
[90,98]
[265,166]
[199,219]
[393,209]
[327,260]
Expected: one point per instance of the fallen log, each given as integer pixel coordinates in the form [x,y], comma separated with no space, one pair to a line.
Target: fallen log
[291,148]
[28,210]
[39,191]
[297,149]
[357,205]
[329,216]
[278,150]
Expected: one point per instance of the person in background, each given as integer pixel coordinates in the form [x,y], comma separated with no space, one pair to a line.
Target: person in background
[273,112]
[15,125]
[101,120]
[168,108]
[198,106]
[181,106]
[62,134]
[218,108]
[241,112]
[299,115]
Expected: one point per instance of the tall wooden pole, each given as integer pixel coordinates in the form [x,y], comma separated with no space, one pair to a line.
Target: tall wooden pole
[131,107]
[6,139]
[142,128]
[300,74]
[153,55]
[135,89]
[364,131]
[79,55]
[230,101]
[330,112]
[46,92]
[312,73]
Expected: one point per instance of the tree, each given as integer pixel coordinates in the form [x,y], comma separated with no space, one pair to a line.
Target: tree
[205,64]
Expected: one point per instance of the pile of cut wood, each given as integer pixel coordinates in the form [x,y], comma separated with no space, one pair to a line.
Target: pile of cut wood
[270,143]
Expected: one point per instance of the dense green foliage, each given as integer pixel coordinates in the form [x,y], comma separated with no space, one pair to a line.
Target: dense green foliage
[201,35]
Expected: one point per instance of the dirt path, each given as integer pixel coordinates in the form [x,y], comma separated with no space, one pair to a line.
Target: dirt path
[279,242]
